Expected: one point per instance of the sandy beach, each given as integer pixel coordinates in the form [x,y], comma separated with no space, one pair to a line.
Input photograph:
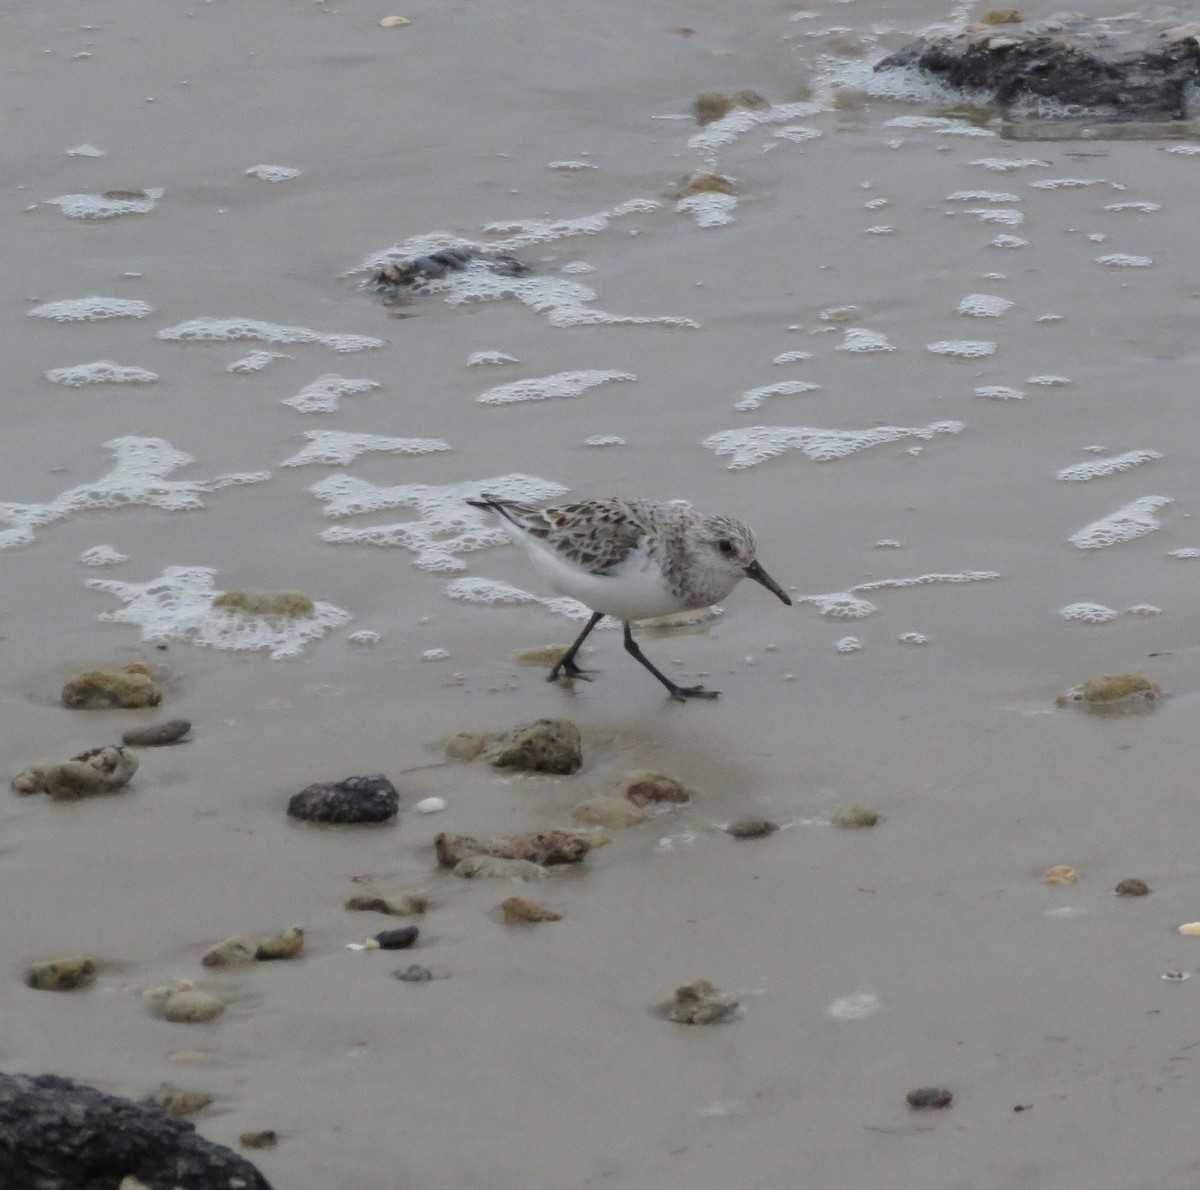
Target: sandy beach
[984,499]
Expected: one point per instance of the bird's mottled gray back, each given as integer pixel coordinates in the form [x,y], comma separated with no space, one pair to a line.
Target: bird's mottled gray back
[596,535]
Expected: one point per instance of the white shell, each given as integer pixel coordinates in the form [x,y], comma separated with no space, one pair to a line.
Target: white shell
[433,805]
[1191,929]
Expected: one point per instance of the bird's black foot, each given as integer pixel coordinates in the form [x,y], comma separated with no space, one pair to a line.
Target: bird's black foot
[683,693]
[568,669]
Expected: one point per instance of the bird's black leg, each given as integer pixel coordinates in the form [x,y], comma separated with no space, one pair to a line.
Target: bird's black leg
[566,664]
[678,693]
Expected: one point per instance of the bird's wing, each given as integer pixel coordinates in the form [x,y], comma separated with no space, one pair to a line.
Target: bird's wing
[597,535]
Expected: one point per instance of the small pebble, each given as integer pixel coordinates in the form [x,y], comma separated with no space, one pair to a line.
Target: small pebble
[1061,874]
[61,975]
[414,974]
[751,827]
[518,909]
[191,1006]
[158,735]
[178,1101]
[644,788]
[395,22]
[855,817]
[430,805]
[466,746]
[233,952]
[267,1139]
[700,1003]
[1190,929]
[924,1097]
[1133,887]
[405,904]
[399,939]
[287,946]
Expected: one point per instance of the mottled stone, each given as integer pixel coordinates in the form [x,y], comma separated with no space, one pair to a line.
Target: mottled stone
[131,686]
[354,801]
[546,746]
[158,735]
[57,1135]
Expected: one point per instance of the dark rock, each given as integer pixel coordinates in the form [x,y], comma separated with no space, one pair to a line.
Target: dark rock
[1133,67]
[56,1135]
[752,827]
[924,1097]
[1132,887]
[400,939]
[417,272]
[158,735]
[352,801]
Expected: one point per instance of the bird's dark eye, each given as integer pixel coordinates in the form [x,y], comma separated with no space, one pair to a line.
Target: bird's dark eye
[725,546]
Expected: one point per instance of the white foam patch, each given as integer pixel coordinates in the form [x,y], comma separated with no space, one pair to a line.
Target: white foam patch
[961,348]
[848,644]
[996,196]
[323,394]
[1005,165]
[1009,242]
[436,655]
[1185,150]
[754,397]
[568,167]
[497,594]
[1066,183]
[446,525]
[91,309]
[922,580]
[709,209]
[1048,381]
[273,173]
[999,392]
[1144,609]
[875,204]
[577,266]
[255,361]
[139,477]
[740,121]
[1005,216]
[1124,260]
[232,330]
[341,447]
[86,150]
[524,232]
[792,357]
[984,305]
[543,388]
[839,313]
[1189,552]
[1098,468]
[862,341]
[101,371]
[97,206]
[1088,613]
[604,440]
[102,555]
[1136,519]
[797,133]
[177,605]
[840,605]
[757,444]
[1141,207]
[913,638]
[490,359]
[365,638]
[880,229]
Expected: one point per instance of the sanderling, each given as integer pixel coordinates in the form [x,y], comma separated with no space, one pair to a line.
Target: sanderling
[633,560]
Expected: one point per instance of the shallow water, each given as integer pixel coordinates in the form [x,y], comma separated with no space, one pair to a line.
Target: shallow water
[537,1062]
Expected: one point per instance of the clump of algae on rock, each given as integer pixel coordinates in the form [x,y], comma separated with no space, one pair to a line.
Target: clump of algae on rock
[1111,690]
[131,686]
[267,603]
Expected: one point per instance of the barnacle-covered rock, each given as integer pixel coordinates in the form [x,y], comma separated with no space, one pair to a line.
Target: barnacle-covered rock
[546,746]
[99,770]
[351,802]
[546,847]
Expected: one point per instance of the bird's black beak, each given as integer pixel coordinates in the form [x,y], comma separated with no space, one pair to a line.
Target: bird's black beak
[759,575]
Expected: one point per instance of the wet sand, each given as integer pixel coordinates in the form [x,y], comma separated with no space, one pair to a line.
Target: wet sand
[537,1060]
